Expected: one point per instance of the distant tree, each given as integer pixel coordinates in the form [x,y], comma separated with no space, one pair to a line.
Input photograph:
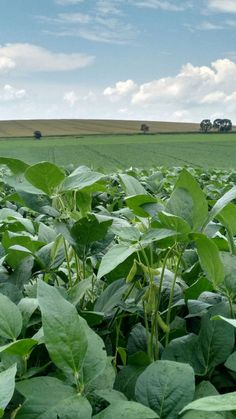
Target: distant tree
[144,128]
[206,125]
[217,124]
[37,135]
[223,125]
[226,125]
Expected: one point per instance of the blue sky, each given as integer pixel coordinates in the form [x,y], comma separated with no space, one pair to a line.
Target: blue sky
[121,59]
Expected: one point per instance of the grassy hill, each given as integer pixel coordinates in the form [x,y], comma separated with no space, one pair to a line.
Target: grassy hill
[25,128]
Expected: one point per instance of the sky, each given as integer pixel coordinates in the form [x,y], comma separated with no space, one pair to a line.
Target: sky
[166,60]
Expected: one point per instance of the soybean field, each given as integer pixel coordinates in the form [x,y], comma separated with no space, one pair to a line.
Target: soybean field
[122,151]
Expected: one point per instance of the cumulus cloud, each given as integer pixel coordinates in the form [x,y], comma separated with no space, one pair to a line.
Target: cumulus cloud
[121,88]
[29,57]
[71,98]
[9,93]
[227,6]
[191,85]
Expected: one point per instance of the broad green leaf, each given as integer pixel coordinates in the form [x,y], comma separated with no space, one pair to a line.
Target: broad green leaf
[114,257]
[210,260]
[136,202]
[88,230]
[228,217]
[184,349]
[127,377]
[188,201]
[64,333]
[221,204]
[111,297]
[132,185]
[27,307]
[205,388]
[232,322]
[215,340]
[50,398]
[10,319]
[197,288]
[110,395]
[7,386]
[204,415]
[105,380]
[173,222]
[95,358]
[220,403]
[229,263]
[45,176]
[126,410]
[231,362]
[21,347]
[80,180]
[162,388]
[15,165]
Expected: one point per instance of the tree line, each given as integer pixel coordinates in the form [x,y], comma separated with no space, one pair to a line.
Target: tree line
[222,125]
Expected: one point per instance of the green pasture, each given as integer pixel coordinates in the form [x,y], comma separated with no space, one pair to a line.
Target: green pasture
[122,151]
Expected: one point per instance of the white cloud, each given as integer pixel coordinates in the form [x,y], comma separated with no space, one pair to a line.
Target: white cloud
[170,6]
[203,26]
[6,64]
[68,2]
[225,6]
[190,85]
[8,93]
[29,57]
[121,88]
[71,98]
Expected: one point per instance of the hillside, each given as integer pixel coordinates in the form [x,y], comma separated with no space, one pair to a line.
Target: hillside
[25,128]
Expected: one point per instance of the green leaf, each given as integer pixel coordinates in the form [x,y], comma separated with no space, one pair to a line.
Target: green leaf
[7,386]
[10,319]
[188,201]
[111,297]
[110,395]
[114,257]
[227,217]
[173,222]
[210,260]
[49,398]
[203,415]
[21,347]
[15,165]
[126,410]
[88,230]
[64,333]
[132,186]
[162,387]
[45,176]
[221,204]
[231,362]
[95,358]
[127,377]
[215,340]
[80,180]
[220,403]
[136,202]
[232,322]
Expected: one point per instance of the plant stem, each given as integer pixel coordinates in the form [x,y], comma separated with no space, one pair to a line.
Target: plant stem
[171,297]
[68,264]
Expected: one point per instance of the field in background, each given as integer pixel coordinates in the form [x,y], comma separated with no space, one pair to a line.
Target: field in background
[122,151]
[84,127]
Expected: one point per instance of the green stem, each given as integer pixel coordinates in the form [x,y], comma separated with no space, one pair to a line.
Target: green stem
[68,264]
[171,298]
